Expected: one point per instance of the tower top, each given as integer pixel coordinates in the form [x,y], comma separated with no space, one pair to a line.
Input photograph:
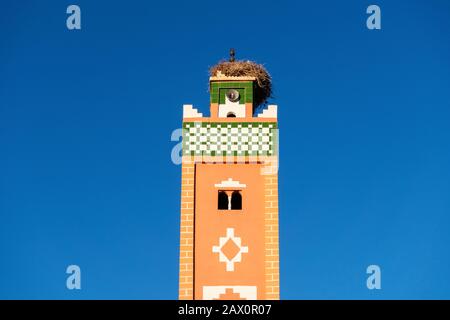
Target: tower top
[244,70]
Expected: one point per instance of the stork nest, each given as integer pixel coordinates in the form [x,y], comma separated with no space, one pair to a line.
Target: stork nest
[241,68]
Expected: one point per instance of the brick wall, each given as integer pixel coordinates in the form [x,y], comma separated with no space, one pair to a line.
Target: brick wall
[186,280]
[272,266]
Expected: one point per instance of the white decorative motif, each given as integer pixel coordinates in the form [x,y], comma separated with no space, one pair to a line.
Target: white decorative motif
[237,257]
[270,112]
[215,292]
[230,184]
[190,112]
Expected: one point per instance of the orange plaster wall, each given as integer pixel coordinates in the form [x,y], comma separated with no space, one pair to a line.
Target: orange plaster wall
[211,223]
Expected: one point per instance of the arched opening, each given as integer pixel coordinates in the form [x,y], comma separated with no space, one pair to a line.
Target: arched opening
[222,201]
[231,115]
[236,200]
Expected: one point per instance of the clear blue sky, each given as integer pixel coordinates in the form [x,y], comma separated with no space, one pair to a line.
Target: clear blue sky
[86,116]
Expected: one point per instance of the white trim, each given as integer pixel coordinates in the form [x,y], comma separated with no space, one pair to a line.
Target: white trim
[234,107]
[270,112]
[230,184]
[190,112]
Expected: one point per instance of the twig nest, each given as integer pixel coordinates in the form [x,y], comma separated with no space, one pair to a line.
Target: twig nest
[263,87]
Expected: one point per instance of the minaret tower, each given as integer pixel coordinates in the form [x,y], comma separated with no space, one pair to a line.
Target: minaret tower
[229,193]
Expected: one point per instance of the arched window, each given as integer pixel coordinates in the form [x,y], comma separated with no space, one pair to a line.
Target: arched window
[222,201]
[231,115]
[236,201]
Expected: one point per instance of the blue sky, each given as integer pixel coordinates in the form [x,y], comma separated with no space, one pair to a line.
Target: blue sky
[86,117]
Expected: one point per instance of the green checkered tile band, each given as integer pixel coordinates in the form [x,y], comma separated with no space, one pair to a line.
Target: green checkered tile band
[229,139]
